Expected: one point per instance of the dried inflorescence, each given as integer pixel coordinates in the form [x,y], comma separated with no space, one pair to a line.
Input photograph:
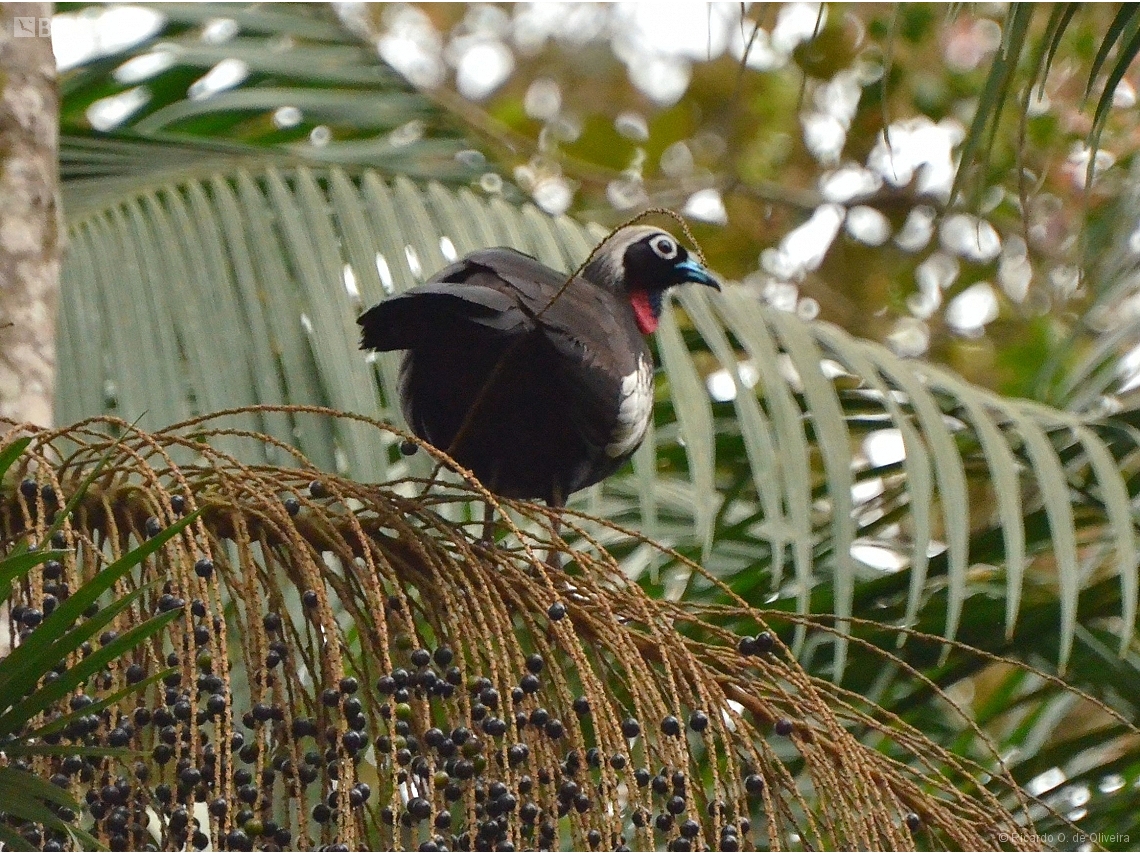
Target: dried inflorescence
[351,669]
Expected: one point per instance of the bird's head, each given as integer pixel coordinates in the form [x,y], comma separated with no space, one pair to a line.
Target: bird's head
[641,263]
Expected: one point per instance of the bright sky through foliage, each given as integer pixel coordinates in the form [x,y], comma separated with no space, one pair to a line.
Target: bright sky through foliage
[659,44]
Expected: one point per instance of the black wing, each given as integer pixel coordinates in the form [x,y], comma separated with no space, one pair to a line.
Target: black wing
[502,293]
[591,330]
[491,292]
[598,344]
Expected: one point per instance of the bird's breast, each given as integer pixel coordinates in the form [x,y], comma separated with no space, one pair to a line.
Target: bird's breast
[635,409]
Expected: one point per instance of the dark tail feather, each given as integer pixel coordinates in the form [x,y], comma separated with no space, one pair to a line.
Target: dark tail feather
[395,324]
[436,310]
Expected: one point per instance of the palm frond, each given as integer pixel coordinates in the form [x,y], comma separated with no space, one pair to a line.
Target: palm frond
[1116,50]
[180,288]
[296,60]
[994,97]
[1092,371]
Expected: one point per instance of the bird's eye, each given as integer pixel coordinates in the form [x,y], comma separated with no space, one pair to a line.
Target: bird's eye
[664,246]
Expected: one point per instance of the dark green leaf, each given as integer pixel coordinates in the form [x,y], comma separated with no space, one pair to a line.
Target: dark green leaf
[15,565]
[41,749]
[1127,53]
[51,692]
[995,93]
[58,724]
[1126,20]
[12,451]
[1059,21]
[24,666]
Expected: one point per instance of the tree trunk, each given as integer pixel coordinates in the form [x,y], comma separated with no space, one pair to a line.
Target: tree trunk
[29,213]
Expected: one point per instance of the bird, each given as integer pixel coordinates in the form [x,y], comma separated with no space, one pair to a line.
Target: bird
[538,382]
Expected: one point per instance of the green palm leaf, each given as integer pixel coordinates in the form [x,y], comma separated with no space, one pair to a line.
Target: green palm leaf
[294,58]
[209,294]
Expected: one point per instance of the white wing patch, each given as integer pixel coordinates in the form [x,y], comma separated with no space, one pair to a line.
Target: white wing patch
[635,409]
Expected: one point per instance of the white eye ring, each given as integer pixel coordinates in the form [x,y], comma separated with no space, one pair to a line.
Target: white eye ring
[664,246]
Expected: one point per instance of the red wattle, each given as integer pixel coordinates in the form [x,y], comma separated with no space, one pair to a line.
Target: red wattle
[643,312]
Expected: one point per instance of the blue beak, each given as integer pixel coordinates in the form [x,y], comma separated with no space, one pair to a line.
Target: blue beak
[691,270]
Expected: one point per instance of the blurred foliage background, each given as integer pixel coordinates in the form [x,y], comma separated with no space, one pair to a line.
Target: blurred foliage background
[812,147]
[765,124]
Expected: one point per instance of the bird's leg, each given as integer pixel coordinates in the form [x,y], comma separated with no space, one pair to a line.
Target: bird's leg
[488,522]
[556,502]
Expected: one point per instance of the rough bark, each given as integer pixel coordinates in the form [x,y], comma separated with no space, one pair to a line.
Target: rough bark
[29,214]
